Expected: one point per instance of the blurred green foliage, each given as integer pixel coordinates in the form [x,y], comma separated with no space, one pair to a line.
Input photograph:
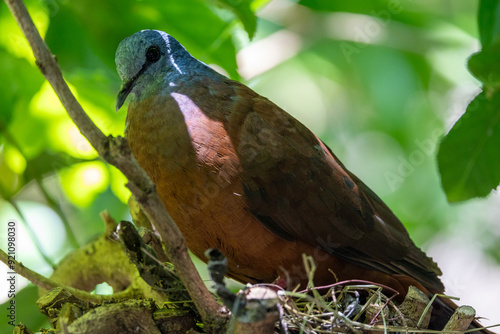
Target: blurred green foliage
[379,81]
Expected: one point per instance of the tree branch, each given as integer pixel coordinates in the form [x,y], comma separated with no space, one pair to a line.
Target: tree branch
[117,152]
[49,284]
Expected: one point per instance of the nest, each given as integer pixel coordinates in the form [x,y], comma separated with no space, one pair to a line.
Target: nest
[358,306]
[345,307]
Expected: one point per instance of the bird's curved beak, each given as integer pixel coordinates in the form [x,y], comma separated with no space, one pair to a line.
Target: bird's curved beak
[122,95]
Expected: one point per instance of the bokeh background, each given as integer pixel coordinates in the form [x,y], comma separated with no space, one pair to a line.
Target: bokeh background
[380,82]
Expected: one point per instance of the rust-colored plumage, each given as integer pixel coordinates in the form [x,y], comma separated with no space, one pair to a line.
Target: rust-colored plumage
[238,173]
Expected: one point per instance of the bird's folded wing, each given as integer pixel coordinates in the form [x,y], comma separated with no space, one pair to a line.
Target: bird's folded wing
[296,186]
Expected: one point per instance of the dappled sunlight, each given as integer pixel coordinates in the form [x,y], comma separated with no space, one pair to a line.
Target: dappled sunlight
[80,143]
[13,39]
[83,182]
[9,180]
[66,137]
[118,181]
[45,103]
[13,158]
[63,134]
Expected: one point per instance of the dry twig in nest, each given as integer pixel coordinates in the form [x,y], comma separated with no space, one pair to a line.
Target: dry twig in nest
[354,306]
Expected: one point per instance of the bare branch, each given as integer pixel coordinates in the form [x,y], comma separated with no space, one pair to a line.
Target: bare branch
[49,284]
[49,68]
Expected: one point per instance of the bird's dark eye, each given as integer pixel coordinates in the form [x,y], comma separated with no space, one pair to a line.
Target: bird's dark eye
[153,54]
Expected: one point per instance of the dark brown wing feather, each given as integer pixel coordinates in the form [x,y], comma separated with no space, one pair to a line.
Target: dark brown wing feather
[297,187]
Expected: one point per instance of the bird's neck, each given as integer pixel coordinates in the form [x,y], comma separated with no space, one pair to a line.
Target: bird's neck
[188,66]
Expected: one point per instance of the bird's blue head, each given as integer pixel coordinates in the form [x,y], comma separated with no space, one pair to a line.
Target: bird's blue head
[149,59]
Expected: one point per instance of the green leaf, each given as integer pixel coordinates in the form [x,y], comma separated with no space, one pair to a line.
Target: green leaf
[364,6]
[485,66]
[48,162]
[489,22]
[468,157]
[242,9]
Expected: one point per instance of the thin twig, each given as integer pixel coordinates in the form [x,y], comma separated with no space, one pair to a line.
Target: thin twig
[31,233]
[48,284]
